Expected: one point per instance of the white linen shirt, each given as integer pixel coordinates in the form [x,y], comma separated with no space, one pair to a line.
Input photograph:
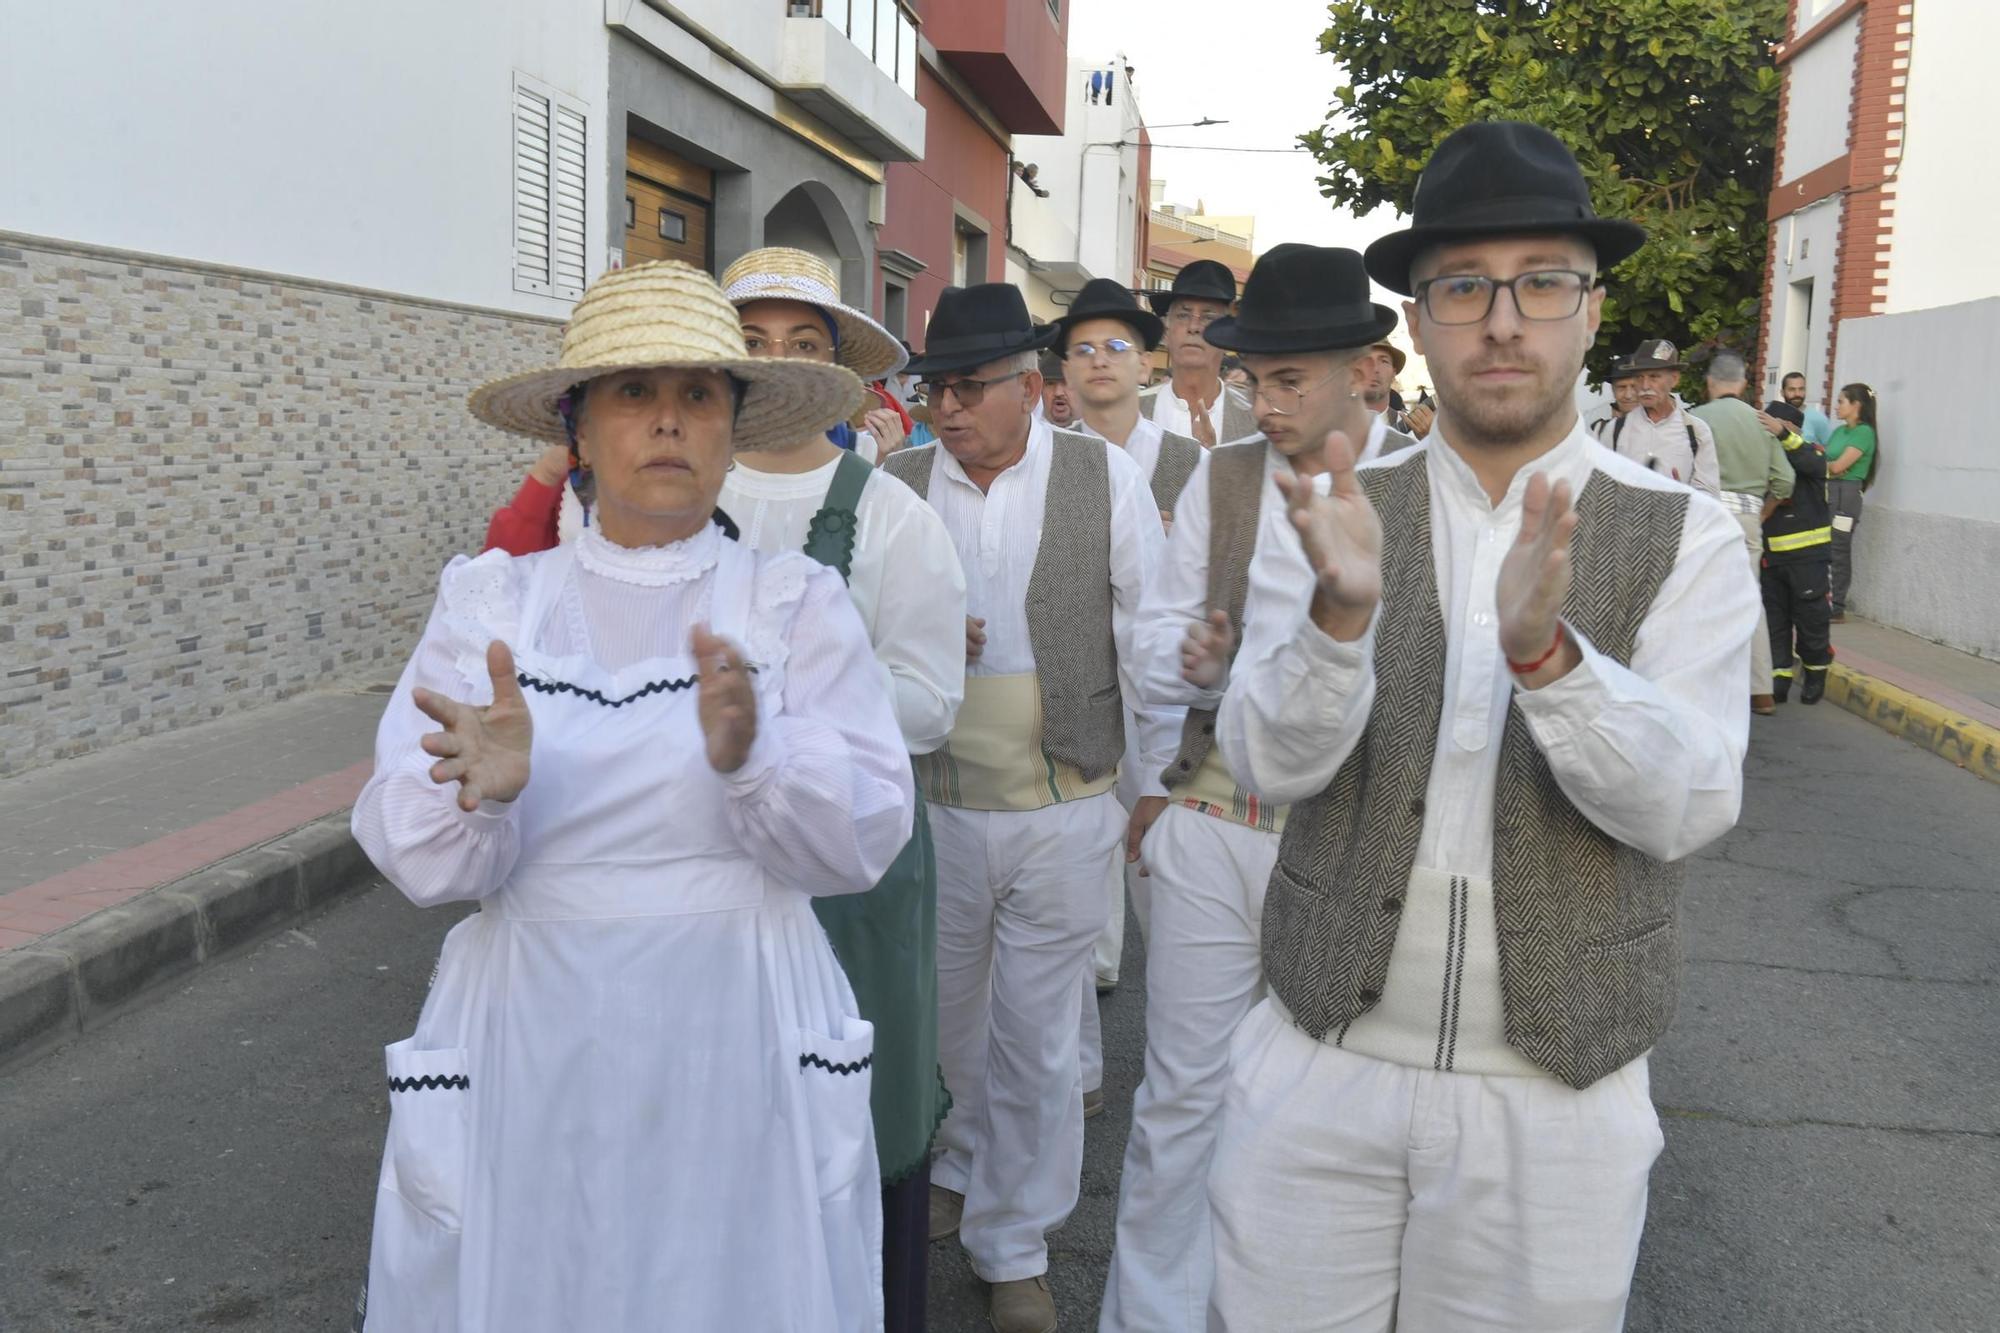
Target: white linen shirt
[1142,446]
[1663,446]
[1652,753]
[998,533]
[1172,414]
[904,579]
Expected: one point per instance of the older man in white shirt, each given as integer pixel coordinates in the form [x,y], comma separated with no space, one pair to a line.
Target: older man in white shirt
[1510,700]
[1195,400]
[1659,432]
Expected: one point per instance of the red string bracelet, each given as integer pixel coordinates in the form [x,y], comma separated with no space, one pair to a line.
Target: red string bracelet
[1529,668]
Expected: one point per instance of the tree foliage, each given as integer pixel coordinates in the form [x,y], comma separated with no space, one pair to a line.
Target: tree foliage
[1671,107]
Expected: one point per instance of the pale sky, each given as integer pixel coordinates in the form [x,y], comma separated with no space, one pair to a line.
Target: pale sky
[1257,65]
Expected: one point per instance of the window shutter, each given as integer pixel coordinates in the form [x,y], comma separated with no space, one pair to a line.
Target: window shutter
[551,174]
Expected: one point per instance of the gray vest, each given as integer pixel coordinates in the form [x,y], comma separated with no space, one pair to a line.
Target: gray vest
[1235,494]
[1238,420]
[1588,927]
[1179,456]
[1069,602]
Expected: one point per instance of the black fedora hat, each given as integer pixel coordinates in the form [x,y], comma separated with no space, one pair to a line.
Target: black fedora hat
[1499,178]
[1653,354]
[971,326]
[1303,298]
[1203,280]
[1101,298]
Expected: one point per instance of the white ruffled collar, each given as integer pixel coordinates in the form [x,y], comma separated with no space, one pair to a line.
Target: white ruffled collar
[650,566]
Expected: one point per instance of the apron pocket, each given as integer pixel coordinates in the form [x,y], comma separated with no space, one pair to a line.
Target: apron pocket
[836,1076]
[429,1118]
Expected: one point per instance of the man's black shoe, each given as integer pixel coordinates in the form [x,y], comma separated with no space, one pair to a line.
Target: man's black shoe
[1781,688]
[1814,688]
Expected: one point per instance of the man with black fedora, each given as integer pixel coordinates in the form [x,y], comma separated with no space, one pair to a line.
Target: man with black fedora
[1103,343]
[1504,701]
[1659,432]
[1058,534]
[1623,382]
[1304,333]
[1193,400]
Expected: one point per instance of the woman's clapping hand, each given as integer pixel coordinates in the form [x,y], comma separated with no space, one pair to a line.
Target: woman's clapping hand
[483,750]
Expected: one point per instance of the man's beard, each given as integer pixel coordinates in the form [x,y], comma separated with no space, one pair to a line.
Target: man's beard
[1500,419]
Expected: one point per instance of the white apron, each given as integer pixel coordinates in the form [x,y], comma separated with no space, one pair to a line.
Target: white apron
[637,1098]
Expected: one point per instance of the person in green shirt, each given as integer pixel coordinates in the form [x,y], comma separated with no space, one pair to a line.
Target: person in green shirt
[1850,470]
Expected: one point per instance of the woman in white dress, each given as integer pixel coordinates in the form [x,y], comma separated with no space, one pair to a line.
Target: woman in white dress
[638,1095]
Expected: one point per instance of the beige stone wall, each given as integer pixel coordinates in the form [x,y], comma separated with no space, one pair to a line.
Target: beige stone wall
[220,488]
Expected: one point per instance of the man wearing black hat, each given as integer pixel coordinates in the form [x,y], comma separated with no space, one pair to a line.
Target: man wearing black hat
[1102,347]
[1508,701]
[1193,400]
[1660,433]
[1304,333]
[1058,534]
[1624,385]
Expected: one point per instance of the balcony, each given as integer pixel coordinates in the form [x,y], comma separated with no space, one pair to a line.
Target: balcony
[853,64]
[1012,54]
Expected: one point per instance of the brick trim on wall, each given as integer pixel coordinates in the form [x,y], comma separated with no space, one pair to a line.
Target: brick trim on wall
[1875,148]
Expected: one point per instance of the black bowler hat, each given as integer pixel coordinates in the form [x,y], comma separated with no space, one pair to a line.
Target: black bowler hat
[1203,280]
[1101,298]
[1499,178]
[1303,298]
[974,325]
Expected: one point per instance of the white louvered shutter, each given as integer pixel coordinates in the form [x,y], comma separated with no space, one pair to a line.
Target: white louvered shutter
[551,174]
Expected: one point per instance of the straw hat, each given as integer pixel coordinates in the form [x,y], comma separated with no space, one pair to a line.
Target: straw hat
[779,273]
[668,314]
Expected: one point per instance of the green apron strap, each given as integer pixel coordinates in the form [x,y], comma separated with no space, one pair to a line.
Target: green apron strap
[830,537]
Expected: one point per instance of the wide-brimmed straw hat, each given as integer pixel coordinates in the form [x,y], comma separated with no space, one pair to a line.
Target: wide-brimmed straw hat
[780,273]
[668,314]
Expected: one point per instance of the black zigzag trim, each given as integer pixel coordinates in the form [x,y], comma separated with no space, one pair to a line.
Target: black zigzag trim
[431,1083]
[657,687]
[809,1059]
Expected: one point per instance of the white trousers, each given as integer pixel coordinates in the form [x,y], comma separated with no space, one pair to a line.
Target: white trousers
[1020,898]
[1203,974]
[1352,1195]
[1108,953]
[1760,643]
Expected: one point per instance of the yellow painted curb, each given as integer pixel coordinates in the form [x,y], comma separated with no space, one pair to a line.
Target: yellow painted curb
[1971,745]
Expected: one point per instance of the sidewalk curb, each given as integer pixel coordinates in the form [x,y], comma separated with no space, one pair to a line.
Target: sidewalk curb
[1973,746]
[73,980]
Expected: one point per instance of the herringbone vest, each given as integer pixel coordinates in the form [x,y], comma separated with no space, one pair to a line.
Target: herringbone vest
[1069,602]
[1177,461]
[1589,940]
[1235,494]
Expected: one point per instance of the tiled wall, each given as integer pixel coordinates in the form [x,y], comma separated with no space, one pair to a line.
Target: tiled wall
[220,488]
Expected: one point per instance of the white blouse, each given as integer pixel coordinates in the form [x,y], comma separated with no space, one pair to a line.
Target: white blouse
[824,801]
[905,580]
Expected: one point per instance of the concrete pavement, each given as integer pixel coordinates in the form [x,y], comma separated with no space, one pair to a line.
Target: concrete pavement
[1830,1093]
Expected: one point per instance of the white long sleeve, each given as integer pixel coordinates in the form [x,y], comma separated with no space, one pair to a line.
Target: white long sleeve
[825,801]
[1176,601]
[1137,544]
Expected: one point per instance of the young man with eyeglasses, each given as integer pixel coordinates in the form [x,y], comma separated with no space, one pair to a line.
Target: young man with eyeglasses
[1303,332]
[1503,702]
[1058,535]
[1193,400]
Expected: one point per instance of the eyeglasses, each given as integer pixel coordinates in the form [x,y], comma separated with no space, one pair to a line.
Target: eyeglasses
[1285,398]
[1112,347]
[1467,298]
[970,393]
[784,346]
[1195,319]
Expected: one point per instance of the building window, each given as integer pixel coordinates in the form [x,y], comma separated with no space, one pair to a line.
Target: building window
[631,212]
[886,32]
[673,226]
[968,254]
[895,307]
[550,175]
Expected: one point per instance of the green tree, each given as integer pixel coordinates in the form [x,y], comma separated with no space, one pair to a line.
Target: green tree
[1671,107]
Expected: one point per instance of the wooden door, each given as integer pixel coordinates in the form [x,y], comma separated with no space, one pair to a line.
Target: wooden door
[668,201]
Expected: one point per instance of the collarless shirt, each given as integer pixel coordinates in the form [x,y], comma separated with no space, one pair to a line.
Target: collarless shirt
[1173,414]
[1142,446]
[1663,446]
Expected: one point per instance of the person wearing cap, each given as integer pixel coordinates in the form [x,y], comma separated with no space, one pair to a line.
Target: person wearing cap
[1660,433]
[1193,400]
[1624,384]
[1057,533]
[1504,702]
[637,1095]
[1102,349]
[1384,361]
[1304,331]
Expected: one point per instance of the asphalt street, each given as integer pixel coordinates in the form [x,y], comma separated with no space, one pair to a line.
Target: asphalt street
[1830,1093]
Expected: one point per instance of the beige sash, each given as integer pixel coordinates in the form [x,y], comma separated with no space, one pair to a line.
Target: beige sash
[994,759]
[1214,792]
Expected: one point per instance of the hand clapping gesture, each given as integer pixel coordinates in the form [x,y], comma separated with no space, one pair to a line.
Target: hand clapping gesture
[727,704]
[1343,542]
[483,750]
[1534,579]
[1205,651]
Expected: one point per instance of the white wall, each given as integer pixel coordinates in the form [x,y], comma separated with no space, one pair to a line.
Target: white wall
[1093,204]
[1820,89]
[1929,539]
[1946,193]
[357,141]
[1807,243]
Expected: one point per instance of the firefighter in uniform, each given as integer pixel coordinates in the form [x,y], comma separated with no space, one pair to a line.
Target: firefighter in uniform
[1798,565]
